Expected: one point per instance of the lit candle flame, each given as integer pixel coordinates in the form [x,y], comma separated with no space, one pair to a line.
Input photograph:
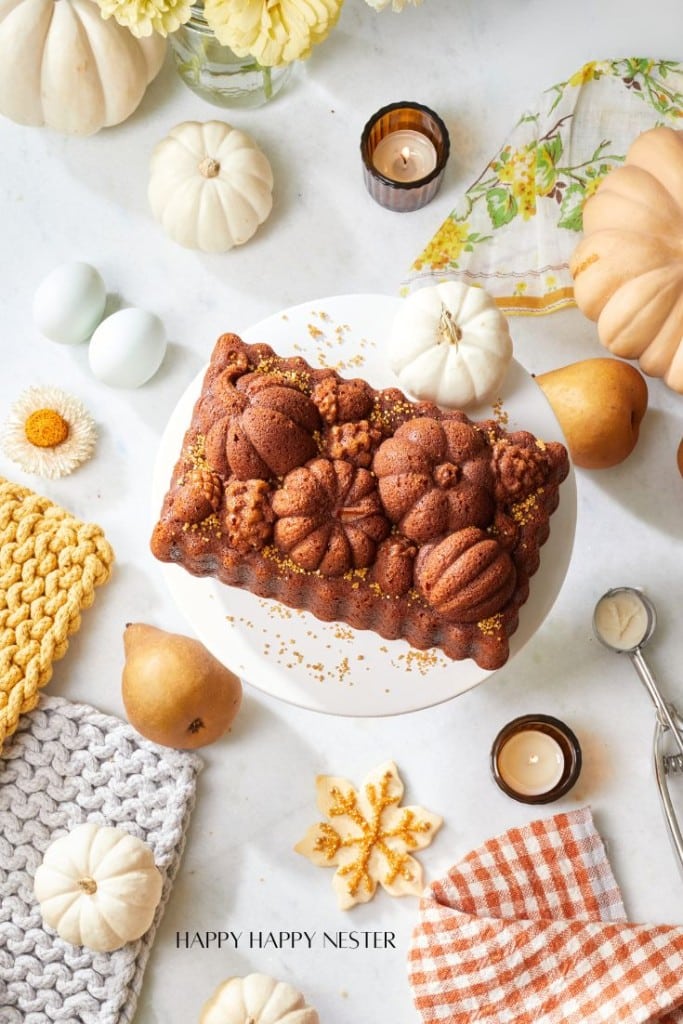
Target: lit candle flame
[405,154]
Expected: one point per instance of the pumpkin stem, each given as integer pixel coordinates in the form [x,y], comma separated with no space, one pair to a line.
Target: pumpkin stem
[88,885]
[209,167]
[448,328]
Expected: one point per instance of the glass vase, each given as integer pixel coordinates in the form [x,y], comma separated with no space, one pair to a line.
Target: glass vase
[217,74]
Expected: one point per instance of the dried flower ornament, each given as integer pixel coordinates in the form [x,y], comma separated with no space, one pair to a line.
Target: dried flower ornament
[48,432]
[368,836]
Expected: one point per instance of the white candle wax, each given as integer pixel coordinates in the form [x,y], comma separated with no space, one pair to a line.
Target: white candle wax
[405,156]
[531,762]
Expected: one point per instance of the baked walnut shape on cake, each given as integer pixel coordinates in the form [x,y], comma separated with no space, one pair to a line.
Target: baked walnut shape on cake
[359,505]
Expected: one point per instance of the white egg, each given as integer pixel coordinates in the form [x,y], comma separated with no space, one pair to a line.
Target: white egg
[69,303]
[127,348]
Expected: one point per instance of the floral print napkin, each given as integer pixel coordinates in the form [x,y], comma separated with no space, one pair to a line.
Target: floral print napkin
[514,229]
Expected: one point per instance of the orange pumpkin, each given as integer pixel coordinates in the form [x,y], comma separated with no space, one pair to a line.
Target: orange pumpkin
[628,268]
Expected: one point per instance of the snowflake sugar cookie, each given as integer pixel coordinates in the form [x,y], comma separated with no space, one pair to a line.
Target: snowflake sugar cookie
[368,836]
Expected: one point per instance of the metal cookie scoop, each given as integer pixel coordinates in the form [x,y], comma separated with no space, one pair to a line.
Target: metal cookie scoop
[624,621]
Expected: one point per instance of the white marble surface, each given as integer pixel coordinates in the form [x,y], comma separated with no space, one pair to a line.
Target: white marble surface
[480,63]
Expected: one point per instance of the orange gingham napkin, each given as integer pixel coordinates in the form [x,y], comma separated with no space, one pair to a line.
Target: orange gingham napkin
[530,929]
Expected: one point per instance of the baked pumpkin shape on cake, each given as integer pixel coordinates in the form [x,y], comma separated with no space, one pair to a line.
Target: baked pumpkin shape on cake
[359,505]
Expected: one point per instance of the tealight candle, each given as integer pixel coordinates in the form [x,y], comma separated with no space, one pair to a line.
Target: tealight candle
[405,155]
[404,148]
[536,759]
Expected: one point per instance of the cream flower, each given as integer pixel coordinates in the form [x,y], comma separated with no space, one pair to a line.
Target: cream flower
[396,5]
[48,432]
[272,31]
[142,17]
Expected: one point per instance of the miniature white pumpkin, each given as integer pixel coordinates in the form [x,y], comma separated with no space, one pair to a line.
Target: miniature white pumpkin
[257,999]
[210,185]
[98,887]
[64,66]
[450,344]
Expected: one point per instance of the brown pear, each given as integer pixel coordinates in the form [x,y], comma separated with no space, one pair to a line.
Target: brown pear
[174,691]
[599,403]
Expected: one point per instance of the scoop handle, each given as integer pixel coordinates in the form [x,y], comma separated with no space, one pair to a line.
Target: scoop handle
[664,714]
[664,794]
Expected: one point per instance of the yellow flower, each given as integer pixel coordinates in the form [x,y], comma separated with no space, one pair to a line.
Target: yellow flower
[591,185]
[590,71]
[520,173]
[142,17]
[48,432]
[272,31]
[445,247]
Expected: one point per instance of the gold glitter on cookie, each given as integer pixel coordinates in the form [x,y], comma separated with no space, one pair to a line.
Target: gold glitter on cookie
[368,836]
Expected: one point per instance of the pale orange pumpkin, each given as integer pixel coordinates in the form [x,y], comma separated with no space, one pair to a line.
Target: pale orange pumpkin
[628,268]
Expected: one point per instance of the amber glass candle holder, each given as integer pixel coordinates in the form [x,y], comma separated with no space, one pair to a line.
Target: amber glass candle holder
[536,759]
[404,148]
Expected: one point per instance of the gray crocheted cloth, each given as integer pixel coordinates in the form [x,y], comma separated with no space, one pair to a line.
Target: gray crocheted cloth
[67,764]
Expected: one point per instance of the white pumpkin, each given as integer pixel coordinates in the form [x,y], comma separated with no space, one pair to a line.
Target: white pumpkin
[63,66]
[210,185]
[98,887]
[450,344]
[257,999]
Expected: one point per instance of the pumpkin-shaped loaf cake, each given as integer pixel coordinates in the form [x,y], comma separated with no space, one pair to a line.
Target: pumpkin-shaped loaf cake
[358,505]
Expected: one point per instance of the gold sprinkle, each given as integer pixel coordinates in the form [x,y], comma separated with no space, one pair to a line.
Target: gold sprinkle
[422,661]
[298,379]
[490,626]
[276,610]
[501,417]
[344,633]
[523,511]
[196,452]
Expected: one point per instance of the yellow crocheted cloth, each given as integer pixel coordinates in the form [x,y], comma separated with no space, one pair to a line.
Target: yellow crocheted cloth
[50,564]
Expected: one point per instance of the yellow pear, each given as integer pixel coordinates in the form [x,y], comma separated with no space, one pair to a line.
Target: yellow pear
[174,691]
[599,404]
